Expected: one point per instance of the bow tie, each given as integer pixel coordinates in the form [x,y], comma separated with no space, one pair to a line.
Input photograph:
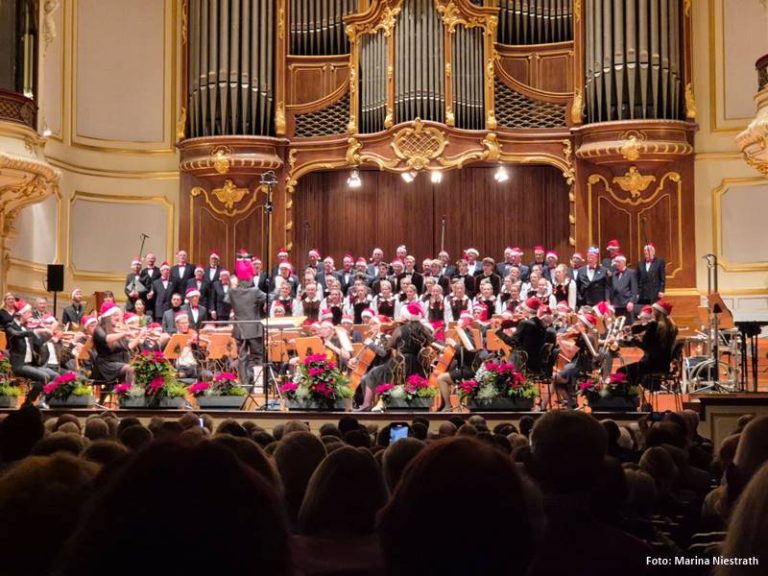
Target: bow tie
[648,260]
[194,308]
[592,268]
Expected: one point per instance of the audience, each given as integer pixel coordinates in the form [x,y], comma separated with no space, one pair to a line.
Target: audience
[562,494]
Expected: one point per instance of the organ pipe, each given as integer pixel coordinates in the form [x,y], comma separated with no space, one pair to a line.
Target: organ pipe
[633,59]
[317,26]
[231,67]
[524,22]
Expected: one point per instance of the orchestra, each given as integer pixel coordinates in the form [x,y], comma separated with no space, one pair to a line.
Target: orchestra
[380,321]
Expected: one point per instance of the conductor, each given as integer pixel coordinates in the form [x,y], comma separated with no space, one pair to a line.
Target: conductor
[248,303]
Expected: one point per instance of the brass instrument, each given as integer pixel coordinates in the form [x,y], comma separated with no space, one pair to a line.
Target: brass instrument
[611,342]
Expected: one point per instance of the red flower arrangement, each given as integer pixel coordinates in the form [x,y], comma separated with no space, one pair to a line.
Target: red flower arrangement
[66,385]
[497,380]
[415,386]
[319,381]
[224,384]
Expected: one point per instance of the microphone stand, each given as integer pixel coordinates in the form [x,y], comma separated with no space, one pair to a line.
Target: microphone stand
[269,180]
[715,385]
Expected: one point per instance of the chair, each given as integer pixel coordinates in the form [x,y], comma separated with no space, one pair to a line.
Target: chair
[548,356]
[668,382]
[105,389]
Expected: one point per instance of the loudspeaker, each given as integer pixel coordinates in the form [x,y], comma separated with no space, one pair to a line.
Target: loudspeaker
[55,281]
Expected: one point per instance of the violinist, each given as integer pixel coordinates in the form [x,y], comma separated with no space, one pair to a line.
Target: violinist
[113,345]
[55,353]
[582,361]
[462,367]
[377,370]
[529,337]
[332,343]
[191,355]
[22,337]
[657,343]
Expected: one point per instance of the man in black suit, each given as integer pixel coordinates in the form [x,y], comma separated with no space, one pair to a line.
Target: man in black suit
[327,271]
[592,281]
[151,272]
[247,303]
[21,345]
[613,249]
[623,287]
[260,278]
[220,302]
[488,274]
[181,272]
[410,272]
[448,269]
[377,256]
[530,336]
[462,274]
[202,285]
[134,285]
[169,316]
[197,313]
[651,276]
[74,312]
[161,292]
[214,267]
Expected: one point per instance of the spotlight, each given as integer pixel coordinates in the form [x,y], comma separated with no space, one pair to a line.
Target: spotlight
[409,176]
[501,175]
[354,179]
[436,177]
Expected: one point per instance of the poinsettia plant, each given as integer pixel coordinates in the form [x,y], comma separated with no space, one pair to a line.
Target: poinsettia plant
[5,366]
[150,365]
[224,384]
[497,380]
[415,386]
[614,386]
[66,385]
[6,388]
[317,380]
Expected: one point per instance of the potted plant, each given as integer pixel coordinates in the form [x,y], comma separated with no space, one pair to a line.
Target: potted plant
[498,386]
[69,389]
[155,385]
[415,394]
[317,385]
[613,394]
[9,394]
[221,392]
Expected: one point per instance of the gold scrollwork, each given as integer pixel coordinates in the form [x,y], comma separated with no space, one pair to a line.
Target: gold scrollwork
[184,21]
[220,159]
[690,102]
[389,119]
[281,23]
[491,152]
[687,6]
[634,182]
[577,10]
[181,124]
[280,125]
[419,145]
[577,106]
[452,16]
[569,173]
[353,152]
[229,195]
[630,150]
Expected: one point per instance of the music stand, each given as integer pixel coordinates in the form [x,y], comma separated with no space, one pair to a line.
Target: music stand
[718,313]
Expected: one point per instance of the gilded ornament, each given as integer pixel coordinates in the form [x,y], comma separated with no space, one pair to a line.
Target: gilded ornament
[419,145]
[181,124]
[577,10]
[450,118]
[630,150]
[229,194]
[687,4]
[448,70]
[490,121]
[577,106]
[220,159]
[184,21]
[352,125]
[351,33]
[389,119]
[353,152]
[690,102]
[49,24]
[492,147]
[634,182]
[452,16]
[280,119]
[281,23]
[570,171]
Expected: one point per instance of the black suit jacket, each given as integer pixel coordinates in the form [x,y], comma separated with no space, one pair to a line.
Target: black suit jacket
[71,315]
[204,288]
[131,284]
[469,284]
[624,289]
[202,316]
[494,279]
[180,280]
[248,304]
[17,344]
[594,291]
[652,281]
[148,276]
[162,299]
[416,279]
[220,302]
[216,273]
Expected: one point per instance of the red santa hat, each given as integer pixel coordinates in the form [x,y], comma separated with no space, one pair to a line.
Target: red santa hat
[577,256]
[326,324]
[552,254]
[326,314]
[223,272]
[199,268]
[368,313]
[482,312]
[282,251]
[347,319]
[255,260]
[136,261]
[215,254]
[620,256]
[362,260]
[191,292]
[165,265]
[647,311]
[516,251]
[398,262]
[531,305]
[130,317]
[650,245]
[544,310]
[473,251]
[88,320]
[180,315]
[21,306]
[612,245]
[588,319]
[538,248]
[413,311]
[663,306]
[562,308]
[465,315]
[108,309]
[314,252]
[278,304]
[604,308]
[285,265]
[154,326]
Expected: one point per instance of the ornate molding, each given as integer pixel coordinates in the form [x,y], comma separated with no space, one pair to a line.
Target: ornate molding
[630,150]
[219,155]
[184,21]
[280,125]
[577,10]
[49,24]
[281,23]
[577,106]
[690,102]
[181,124]
[228,195]
[220,159]
[634,182]
[753,142]
[632,147]
[570,171]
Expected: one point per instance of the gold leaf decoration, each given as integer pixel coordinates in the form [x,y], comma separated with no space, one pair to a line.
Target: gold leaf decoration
[229,194]
[634,182]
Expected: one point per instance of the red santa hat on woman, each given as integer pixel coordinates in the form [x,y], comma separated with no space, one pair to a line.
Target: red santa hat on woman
[663,307]
[108,309]
[589,320]
[326,315]
[21,306]
[368,313]
[604,308]
[531,305]
[413,311]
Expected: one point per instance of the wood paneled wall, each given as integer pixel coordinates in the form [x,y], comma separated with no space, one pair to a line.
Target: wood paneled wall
[530,208]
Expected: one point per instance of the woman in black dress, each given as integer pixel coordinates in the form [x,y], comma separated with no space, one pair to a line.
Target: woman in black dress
[8,310]
[113,346]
